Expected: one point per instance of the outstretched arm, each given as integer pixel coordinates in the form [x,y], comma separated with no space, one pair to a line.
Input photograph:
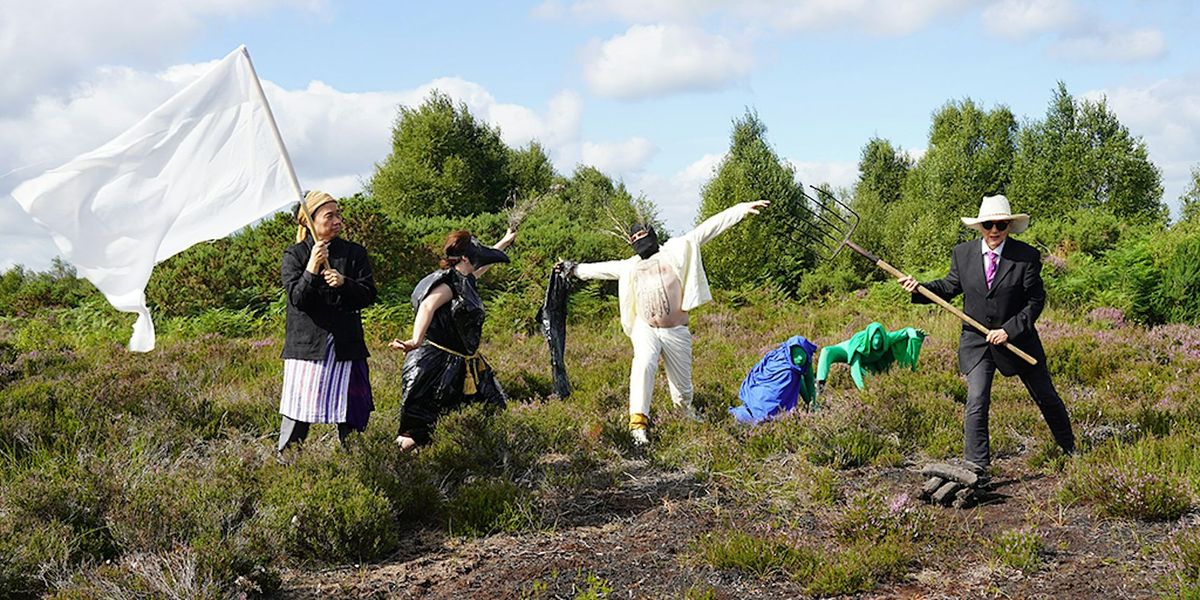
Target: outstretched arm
[722,221]
[436,298]
[611,269]
[503,244]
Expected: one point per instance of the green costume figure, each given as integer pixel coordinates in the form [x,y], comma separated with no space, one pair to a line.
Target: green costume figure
[872,350]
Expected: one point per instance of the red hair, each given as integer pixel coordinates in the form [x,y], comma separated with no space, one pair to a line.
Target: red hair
[455,247]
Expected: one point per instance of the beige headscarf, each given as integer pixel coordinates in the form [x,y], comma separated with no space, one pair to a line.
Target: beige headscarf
[312,201]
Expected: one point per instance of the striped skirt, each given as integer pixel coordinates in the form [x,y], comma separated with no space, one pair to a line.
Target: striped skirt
[327,391]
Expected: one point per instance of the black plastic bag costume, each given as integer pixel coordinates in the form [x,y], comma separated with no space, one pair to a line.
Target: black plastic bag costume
[447,371]
[553,319]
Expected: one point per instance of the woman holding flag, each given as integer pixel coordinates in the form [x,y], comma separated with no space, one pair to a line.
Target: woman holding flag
[327,281]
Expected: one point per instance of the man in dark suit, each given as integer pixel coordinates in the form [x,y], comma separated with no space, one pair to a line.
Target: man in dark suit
[1001,283]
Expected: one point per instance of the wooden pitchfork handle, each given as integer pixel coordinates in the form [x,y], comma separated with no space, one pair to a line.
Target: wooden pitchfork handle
[938,300]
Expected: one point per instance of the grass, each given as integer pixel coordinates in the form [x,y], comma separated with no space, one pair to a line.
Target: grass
[1018,549]
[155,472]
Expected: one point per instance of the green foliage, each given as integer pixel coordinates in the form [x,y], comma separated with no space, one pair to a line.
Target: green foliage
[1176,298]
[23,292]
[326,514]
[758,249]
[1183,553]
[1189,202]
[445,162]
[1146,481]
[530,170]
[756,555]
[1018,549]
[882,169]
[970,155]
[861,567]
[871,517]
[484,507]
[237,272]
[1082,158]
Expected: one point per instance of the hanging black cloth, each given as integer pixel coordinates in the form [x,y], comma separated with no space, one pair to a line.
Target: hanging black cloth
[552,317]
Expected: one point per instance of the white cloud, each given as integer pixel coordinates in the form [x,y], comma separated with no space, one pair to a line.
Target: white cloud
[334,137]
[649,60]
[835,174]
[1112,46]
[883,17]
[1166,114]
[886,17]
[633,11]
[618,158]
[1023,18]
[46,45]
[678,195]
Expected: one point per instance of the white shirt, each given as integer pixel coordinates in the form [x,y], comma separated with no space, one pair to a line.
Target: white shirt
[681,253]
[987,259]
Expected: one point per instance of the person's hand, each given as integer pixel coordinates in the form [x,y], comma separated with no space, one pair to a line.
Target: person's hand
[908,283]
[510,236]
[566,267]
[752,208]
[406,345]
[333,278]
[319,256]
[997,337]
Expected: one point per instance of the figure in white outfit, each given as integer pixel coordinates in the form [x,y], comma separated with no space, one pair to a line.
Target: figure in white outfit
[656,288]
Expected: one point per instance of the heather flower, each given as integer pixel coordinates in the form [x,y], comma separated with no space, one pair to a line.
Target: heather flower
[1113,317]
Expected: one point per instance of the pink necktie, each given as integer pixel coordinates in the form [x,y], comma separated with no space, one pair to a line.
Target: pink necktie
[993,258]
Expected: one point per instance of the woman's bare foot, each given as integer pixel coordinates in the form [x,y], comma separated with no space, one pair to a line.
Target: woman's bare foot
[406,443]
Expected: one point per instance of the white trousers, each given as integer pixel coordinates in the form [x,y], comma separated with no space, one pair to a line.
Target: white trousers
[675,345]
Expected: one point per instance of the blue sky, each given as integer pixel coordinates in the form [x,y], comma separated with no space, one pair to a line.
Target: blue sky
[643,89]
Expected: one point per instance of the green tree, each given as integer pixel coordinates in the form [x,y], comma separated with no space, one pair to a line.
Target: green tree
[970,155]
[882,171]
[1081,158]
[443,162]
[759,249]
[1189,202]
[530,170]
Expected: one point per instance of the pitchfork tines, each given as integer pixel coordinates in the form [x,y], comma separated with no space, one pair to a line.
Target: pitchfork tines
[827,223]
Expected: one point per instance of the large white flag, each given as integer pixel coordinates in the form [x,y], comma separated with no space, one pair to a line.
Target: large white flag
[204,164]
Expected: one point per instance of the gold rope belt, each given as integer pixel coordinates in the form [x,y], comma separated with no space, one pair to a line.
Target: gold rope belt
[475,367]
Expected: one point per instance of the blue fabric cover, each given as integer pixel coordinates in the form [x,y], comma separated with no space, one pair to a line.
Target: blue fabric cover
[776,382]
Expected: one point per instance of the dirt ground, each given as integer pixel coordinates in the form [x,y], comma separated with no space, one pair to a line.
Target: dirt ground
[631,541]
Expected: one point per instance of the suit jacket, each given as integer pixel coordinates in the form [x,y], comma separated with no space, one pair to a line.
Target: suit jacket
[1013,303]
[315,310]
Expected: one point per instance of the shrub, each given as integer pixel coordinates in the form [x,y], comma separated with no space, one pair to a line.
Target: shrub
[1018,549]
[1129,482]
[323,513]
[755,555]
[1182,551]
[480,508]
[870,517]
[861,567]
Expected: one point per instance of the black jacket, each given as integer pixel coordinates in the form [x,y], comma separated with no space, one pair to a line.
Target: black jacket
[1013,303]
[314,310]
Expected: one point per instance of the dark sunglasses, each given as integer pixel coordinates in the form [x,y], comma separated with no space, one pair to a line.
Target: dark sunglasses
[1000,225]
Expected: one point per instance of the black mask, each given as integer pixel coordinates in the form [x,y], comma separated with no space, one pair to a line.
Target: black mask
[481,255]
[647,245]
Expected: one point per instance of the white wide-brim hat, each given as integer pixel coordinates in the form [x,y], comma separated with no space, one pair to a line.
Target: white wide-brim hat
[996,208]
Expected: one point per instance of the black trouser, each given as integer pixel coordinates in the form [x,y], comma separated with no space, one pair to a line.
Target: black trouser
[977,445]
[292,431]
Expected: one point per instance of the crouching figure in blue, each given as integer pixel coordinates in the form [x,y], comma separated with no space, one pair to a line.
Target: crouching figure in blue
[777,382]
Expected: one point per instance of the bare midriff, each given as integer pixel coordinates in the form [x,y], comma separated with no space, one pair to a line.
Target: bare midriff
[659,294]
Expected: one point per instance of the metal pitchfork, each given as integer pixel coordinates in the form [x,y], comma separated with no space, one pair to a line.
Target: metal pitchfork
[833,225]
